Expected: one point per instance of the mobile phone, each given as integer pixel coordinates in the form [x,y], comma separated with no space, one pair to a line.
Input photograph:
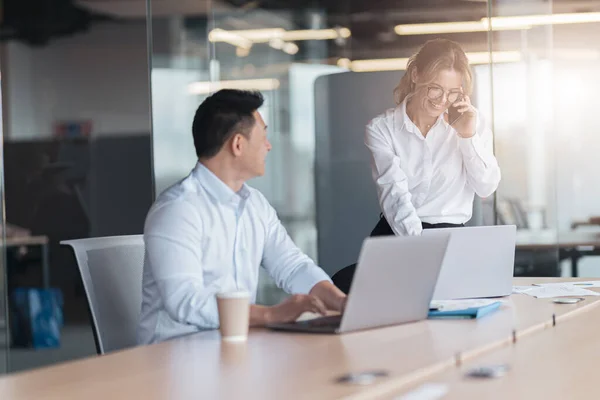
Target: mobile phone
[453,114]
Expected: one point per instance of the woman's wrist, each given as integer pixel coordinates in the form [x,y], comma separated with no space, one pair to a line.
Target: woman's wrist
[466,135]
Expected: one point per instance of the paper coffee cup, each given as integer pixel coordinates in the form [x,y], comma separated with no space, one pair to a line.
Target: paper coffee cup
[234,315]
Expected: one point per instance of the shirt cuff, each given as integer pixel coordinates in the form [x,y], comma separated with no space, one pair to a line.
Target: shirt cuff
[410,226]
[414,229]
[210,314]
[307,278]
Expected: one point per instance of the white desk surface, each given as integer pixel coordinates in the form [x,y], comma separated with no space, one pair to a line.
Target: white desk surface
[274,365]
[555,364]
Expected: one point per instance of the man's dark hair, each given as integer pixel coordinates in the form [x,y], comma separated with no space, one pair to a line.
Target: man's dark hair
[220,116]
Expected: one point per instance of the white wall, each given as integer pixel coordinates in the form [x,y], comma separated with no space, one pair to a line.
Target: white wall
[100,75]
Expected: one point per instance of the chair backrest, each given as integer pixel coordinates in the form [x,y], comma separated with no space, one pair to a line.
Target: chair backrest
[111,270]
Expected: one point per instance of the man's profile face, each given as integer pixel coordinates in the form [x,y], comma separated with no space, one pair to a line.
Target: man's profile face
[257,148]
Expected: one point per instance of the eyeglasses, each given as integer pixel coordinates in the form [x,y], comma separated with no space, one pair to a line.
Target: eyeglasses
[436,93]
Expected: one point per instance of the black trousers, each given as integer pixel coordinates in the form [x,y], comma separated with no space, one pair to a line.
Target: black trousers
[343,278]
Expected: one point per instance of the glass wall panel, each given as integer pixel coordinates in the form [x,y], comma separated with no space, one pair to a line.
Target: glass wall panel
[325,71]
[524,126]
[575,82]
[4,332]
[77,155]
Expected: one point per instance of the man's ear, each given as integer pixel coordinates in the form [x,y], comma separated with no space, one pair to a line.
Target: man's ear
[236,144]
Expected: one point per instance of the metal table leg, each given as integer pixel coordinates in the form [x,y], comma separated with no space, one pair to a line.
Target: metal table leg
[45,266]
[575,264]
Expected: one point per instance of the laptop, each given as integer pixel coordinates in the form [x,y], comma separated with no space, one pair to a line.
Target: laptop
[479,262]
[393,284]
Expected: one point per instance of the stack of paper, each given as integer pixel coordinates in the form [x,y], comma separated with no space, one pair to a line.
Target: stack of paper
[548,290]
[583,284]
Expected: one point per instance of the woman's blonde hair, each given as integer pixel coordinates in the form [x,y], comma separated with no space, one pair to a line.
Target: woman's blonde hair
[435,55]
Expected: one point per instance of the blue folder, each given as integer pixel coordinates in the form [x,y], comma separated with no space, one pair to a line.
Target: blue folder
[467,313]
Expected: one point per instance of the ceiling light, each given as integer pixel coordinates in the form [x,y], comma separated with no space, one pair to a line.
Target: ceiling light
[266,35]
[517,22]
[277,44]
[450,27]
[392,64]
[229,37]
[382,64]
[242,84]
[290,48]
[546,19]
[483,57]
[253,35]
[344,63]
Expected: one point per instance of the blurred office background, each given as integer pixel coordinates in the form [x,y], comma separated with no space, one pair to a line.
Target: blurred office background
[98,98]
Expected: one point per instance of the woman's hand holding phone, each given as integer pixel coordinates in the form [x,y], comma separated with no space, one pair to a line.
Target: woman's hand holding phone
[462,116]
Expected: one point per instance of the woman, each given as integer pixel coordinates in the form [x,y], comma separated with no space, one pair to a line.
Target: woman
[433,152]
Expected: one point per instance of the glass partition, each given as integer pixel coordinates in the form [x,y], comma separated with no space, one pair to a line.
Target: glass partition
[4,331]
[572,135]
[544,134]
[76,160]
[97,120]
[325,71]
[522,120]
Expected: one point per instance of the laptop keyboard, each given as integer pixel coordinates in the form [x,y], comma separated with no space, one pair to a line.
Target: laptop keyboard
[332,321]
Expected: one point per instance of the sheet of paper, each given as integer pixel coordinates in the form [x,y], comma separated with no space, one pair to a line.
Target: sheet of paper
[582,284]
[544,292]
[452,305]
[521,289]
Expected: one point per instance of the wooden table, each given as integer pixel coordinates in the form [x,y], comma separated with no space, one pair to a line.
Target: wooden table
[285,365]
[556,364]
[552,239]
[592,221]
[569,244]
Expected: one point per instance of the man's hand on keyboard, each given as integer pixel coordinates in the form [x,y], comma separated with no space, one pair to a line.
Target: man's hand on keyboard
[294,306]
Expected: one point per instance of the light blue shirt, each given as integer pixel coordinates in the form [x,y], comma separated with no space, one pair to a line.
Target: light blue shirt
[202,238]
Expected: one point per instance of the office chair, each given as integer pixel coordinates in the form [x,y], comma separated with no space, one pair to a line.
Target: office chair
[111,270]
[343,278]
[542,262]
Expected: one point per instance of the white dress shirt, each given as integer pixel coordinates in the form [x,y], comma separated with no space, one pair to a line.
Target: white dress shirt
[429,179]
[202,238]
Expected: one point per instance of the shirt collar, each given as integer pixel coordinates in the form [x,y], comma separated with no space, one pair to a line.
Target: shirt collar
[402,121]
[217,188]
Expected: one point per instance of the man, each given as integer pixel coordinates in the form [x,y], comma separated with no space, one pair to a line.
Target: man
[210,232]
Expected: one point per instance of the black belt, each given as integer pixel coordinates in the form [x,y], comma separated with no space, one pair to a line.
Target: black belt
[383,228]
